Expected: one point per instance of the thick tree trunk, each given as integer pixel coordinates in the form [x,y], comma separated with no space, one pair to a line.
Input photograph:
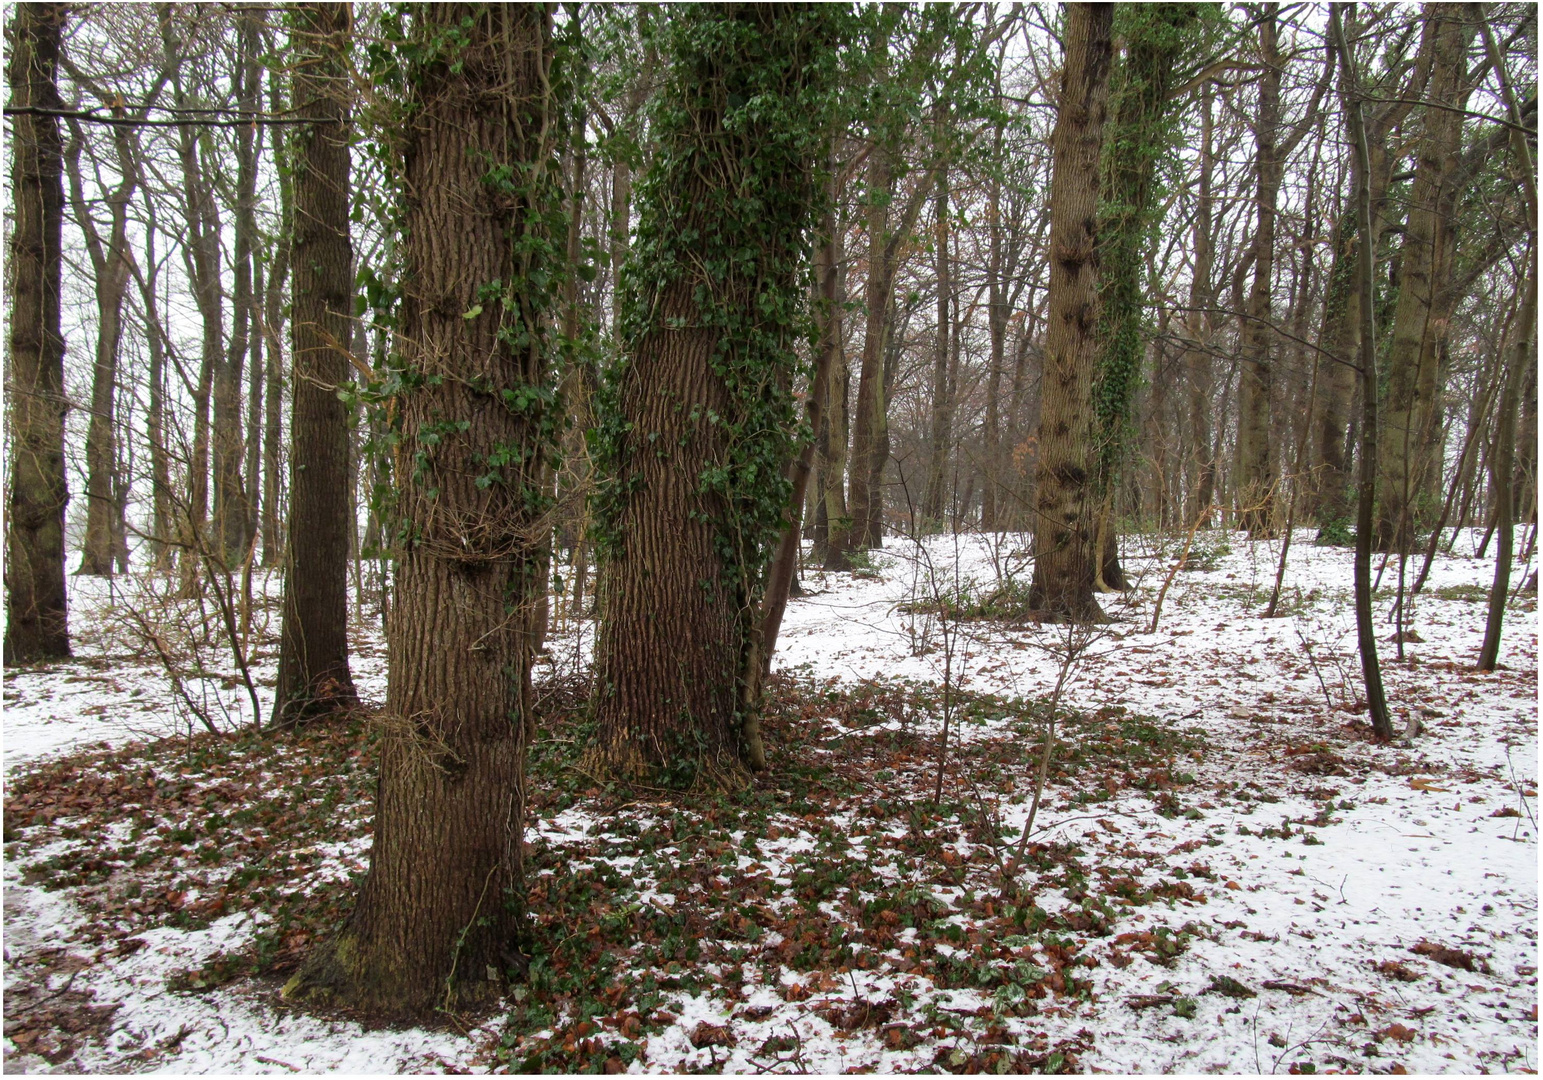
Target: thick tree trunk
[1413,353]
[704,397]
[1065,498]
[313,675]
[441,914]
[36,623]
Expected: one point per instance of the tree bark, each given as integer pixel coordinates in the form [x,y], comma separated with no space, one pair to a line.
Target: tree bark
[684,543]
[1366,636]
[1065,499]
[1255,484]
[1412,354]
[36,624]
[1197,356]
[942,402]
[232,513]
[273,338]
[440,916]
[313,676]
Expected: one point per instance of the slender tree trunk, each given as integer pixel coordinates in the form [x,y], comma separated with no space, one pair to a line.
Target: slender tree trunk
[231,511]
[201,255]
[441,915]
[111,268]
[36,623]
[313,673]
[1523,359]
[942,404]
[996,323]
[1255,485]
[831,443]
[1366,635]
[1065,499]
[1197,356]
[864,465]
[1340,338]
[273,337]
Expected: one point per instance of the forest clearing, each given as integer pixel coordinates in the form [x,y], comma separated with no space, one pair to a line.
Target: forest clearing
[800,538]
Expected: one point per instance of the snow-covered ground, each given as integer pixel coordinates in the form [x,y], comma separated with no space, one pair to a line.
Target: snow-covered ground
[1306,865]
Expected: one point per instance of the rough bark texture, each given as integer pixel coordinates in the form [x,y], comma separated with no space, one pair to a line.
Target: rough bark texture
[685,545]
[1065,500]
[439,918]
[313,675]
[1418,325]
[1138,136]
[1255,484]
[36,625]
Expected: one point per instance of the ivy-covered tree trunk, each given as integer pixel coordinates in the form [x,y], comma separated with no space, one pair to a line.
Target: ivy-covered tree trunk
[440,915]
[1065,496]
[36,626]
[1412,353]
[1138,136]
[697,419]
[313,675]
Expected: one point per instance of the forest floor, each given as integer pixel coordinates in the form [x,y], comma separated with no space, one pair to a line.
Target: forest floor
[1226,873]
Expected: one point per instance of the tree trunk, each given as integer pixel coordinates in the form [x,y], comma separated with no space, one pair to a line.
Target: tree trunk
[1412,353]
[201,256]
[1254,488]
[441,913]
[111,266]
[1197,356]
[1340,338]
[854,535]
[1366,637]
[36,624]
[273,337]
[942,403]
[232,514]
[996,323]
[313,675]
[831,442]
[697,434]
[1065,498]
[1137,138]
